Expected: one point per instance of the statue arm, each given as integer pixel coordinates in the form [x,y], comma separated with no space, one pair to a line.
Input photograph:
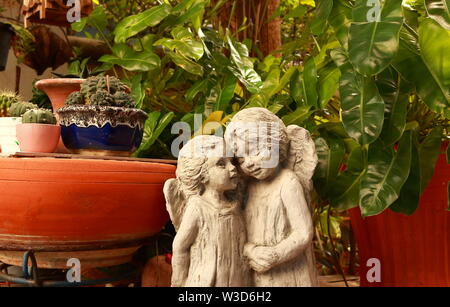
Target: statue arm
[182,243]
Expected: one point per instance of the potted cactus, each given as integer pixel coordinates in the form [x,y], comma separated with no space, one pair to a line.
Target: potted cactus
[38,131]
[101,119]
[11,110]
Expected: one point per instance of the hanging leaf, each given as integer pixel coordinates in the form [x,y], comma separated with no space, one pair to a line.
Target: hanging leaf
[243,68]
[303,85]
[322,11]
[374,35]
[410,65]
[328,83]
[135,24]
[439,10]
[395,106]
[226,93]
[137,90]
[409,198]
[340,19]
[387,171]
[362,105]
[330,152]
[429,151]
[434,43]
[131,60]
[344,192]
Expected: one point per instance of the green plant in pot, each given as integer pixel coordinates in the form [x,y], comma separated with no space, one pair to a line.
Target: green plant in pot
[38,131]
[101,119]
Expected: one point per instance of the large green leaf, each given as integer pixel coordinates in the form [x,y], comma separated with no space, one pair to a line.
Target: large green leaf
[226,93]
[185,63]
[344,193]
[408,200]
[386,173]
[439,10]
[374,42]
[429,151]
[135,24]
[184,43]
[340,19]
[362,106]
[322,11]
[132,60]
[328,83]
[330,152]
[154,126]
[243,67]
[298,116]
[434,43]
[395,106]
[303,85]
[410,65]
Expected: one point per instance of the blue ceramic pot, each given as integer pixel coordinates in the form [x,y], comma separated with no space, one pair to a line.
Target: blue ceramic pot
[101,130]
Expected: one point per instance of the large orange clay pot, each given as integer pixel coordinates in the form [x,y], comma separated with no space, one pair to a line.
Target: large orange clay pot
[413,250]
[96,210]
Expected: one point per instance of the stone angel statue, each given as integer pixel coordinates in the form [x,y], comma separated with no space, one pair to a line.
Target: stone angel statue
[277,210]
[209,244]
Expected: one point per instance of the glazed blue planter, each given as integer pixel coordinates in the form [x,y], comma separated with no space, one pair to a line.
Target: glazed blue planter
[101,130]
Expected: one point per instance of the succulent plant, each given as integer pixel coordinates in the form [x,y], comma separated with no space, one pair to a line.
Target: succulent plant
[75,98]
[7,98]
[38,116]
[102,91]
[17,109]
[102,98]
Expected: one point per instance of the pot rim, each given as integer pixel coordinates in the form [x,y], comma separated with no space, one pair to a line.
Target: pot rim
[40,125]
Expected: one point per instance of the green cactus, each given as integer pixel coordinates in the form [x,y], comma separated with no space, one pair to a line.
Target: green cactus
[102,91]
[123,99]
[75,98]
[7,98]
[17,109]
[38,116]
[102,98]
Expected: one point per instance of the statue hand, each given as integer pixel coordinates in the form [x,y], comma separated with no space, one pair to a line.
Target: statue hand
[261,258]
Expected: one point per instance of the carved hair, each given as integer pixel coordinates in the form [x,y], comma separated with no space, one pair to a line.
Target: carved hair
[260,116]
[192,171]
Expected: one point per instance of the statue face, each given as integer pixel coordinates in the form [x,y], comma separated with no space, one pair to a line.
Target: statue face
[222,174]
[253,166]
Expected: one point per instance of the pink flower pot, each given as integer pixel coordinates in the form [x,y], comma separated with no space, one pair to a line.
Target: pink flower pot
[38,137]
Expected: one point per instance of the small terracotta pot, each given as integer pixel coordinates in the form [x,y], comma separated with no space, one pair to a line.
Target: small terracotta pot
[38,137]
[58,89]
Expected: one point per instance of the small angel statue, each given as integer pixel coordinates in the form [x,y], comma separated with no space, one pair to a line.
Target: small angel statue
[209,244]
[278,219]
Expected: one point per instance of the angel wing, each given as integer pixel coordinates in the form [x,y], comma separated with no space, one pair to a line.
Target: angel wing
[175,201]
[302,157]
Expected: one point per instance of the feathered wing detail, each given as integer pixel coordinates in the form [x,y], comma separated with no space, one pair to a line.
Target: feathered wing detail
[175,201]
[302,158]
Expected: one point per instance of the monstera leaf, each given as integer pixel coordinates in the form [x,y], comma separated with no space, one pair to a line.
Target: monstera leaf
[374,34]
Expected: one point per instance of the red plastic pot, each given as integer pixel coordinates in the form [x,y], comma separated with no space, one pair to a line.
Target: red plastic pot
[413,250]
[96,210]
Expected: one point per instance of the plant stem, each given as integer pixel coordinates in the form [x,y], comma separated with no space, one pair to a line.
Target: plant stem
[336,259]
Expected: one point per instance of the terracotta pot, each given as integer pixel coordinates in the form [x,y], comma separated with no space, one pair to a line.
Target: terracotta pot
[58,89]
[100,211]
[38,137]
[413,250]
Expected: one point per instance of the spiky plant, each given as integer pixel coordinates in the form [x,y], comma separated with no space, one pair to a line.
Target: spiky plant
[7,98]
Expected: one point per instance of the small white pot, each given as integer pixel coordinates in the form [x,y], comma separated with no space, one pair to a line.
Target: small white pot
[8,139]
